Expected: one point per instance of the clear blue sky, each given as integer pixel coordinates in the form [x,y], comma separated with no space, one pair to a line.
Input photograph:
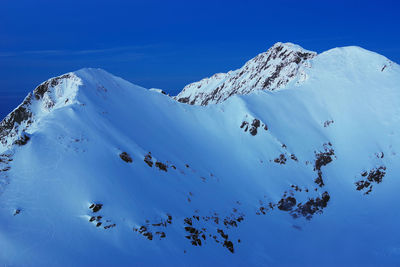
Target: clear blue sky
[168,44]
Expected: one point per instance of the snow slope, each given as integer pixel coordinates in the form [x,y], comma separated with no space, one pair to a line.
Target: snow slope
[120,175]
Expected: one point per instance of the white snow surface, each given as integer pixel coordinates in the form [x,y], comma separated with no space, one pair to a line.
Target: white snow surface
[219,176]
[161,91]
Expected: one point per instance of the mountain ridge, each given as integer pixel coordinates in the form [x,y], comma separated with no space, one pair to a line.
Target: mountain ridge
[123,175]
[269,70]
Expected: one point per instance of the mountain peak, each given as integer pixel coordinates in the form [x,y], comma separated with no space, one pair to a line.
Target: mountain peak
[52,94]
[127,169]
[270,70]
[289,46]
[74,88]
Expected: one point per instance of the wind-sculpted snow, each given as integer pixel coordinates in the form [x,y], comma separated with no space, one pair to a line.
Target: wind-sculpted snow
[96,171]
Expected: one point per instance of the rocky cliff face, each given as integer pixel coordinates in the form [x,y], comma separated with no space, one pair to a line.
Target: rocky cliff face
[271,70]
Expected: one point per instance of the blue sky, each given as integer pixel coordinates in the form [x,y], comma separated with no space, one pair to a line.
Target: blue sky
[168,44]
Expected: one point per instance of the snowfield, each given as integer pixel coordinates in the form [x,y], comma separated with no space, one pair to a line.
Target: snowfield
[96,171]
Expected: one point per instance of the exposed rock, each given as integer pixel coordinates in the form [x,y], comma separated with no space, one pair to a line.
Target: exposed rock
[23,140]
[255,124]
[194,235]
[312,206]
[281,159]
[161,234]
[233,220]
[184,99]
[327,123]
[293,157]
[161,166]
[109,226]
[143,231]
[9,125]
[44,87]
[373,176]
[98,220]
[20,120]
[286,204]
[296,188]
[147,230]
[17,211]
[227,243]
[323,159]
[267,71]
[148,159]
[245,125]
[96,207]
[125,157]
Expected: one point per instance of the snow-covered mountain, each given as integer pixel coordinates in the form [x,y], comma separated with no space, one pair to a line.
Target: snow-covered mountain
[281,64]
[96,171]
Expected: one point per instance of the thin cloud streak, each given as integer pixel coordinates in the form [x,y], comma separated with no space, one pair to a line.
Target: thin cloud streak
[75,52]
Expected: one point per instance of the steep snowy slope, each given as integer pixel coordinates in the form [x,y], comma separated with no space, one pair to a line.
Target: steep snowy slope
[282,63]
[97,171]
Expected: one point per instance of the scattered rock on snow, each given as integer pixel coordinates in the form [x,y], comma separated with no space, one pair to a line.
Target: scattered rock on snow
[148,159]
[96,207]
[328,122]
[281,159]
[161,166]
[125,157]
[373,176]
[17,211]
[23,140]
